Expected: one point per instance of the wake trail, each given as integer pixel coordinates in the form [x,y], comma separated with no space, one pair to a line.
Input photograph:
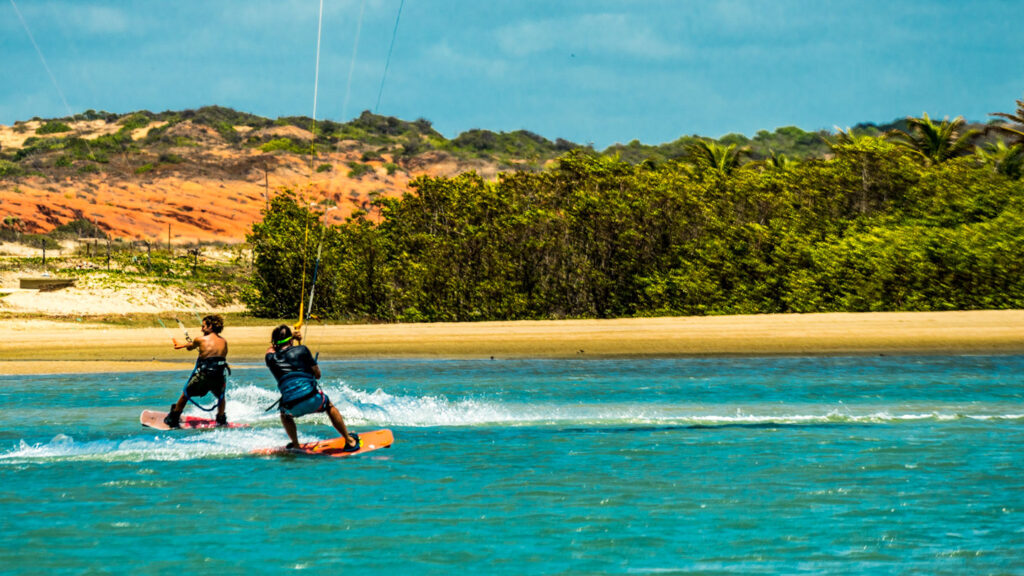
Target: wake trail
[366,409]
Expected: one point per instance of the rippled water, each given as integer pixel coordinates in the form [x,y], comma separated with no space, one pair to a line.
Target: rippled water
[692,466]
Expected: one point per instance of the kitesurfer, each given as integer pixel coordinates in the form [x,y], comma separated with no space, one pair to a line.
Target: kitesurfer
[208,375]
[296,372]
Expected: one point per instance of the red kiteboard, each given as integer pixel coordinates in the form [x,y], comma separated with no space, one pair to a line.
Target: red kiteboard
[368,442]
[154,419]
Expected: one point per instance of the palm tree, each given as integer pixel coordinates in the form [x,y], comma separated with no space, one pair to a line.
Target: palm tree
[1014,130]
[723,159]
[1006,160]
[847,136]
[780,161]
[935,143]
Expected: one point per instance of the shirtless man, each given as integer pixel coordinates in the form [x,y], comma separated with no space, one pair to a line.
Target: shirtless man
[208,375]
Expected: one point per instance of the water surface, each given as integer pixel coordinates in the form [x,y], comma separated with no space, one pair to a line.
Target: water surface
[884,465]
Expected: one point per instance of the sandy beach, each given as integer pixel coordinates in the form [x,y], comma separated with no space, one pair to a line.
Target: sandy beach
[45,346]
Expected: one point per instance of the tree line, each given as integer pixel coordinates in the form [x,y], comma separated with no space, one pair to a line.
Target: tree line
[913,220]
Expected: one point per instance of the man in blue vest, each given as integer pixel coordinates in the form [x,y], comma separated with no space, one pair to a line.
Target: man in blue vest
[296,372]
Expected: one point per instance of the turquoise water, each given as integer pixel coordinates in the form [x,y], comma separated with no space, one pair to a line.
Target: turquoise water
[885,465]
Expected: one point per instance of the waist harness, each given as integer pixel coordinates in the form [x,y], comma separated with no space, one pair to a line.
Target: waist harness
[213,366]
[296,388]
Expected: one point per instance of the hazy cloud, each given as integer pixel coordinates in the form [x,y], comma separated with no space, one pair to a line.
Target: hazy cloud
[601,34]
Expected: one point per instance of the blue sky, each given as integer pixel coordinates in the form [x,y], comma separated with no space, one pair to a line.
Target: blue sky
[591,71]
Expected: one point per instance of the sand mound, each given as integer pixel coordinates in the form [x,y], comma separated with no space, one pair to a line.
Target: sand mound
[106,295]
[292,132]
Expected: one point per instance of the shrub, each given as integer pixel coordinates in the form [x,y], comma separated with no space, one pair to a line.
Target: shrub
[358,170]
[80,228]
[168,158]
[53,127]
[9,169]
[134,121]
[285,144]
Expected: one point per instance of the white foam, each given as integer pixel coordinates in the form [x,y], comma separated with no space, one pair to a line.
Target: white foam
[364,409]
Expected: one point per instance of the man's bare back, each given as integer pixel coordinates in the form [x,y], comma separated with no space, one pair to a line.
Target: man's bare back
[210,344]
[208,375]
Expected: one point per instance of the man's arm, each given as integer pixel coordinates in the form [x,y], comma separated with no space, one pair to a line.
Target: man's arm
[186,345]
[297,337]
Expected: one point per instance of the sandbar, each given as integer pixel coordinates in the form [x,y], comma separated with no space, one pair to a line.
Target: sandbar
[55,347]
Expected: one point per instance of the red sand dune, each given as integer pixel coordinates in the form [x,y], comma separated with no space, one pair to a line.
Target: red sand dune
[214,194]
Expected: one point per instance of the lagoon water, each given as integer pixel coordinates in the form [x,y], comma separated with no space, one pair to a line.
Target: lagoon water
[860,465]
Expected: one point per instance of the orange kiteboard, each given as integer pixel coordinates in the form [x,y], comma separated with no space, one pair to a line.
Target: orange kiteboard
[368,442]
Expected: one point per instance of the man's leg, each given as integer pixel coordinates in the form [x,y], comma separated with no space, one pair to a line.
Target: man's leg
[179,406]
[289,427]
[173,418]
[339,424]
[222,418]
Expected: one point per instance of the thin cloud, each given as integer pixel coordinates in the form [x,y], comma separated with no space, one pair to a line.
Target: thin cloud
[464,64]
[89,20]
[600,34]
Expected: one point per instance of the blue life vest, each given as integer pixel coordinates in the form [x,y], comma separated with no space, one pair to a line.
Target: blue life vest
[295,388]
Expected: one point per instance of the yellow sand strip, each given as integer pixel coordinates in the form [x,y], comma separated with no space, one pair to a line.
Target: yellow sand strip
[31,347]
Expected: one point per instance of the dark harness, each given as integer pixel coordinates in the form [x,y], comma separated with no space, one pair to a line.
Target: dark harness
[211,366]
[293,402]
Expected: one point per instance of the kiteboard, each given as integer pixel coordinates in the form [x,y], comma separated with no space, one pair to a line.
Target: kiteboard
[368,442]
[155,419]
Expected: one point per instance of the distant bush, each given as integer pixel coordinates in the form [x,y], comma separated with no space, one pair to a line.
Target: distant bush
[521,143]
[168,158]
[94,115]
[10,229]
[9,169]
[227,132]
[213,116]
[80,228]
[53,127]
[285,144]
[144,168]
[324,168]
[39,241]
[134,121]
[358,170]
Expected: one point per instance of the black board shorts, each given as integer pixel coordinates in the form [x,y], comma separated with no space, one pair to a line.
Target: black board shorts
[203,383]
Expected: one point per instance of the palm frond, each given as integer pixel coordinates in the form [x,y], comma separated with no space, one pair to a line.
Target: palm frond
[934,142]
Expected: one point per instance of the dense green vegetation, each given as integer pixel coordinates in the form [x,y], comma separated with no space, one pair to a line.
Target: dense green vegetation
[916,215]
[63,149]
[912,221]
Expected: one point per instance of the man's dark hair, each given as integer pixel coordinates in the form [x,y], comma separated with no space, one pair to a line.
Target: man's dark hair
[216,323]
[280,336]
